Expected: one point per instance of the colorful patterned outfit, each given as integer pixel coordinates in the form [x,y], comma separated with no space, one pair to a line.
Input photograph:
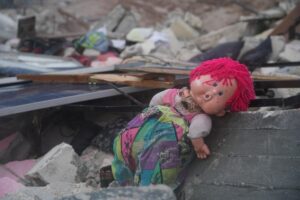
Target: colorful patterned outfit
[154,147]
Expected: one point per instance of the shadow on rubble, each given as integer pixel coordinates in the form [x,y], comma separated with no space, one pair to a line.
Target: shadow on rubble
[41,131]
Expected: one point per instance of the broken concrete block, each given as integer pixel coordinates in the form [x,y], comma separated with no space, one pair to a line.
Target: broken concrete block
[112,20]
[193,20]
[183,31]
[148,46]
[157,192]
[52,191]
[291,51]
[118,44]
[8,186]
[128,23]
[278,43]
[8,27]
[229,33]
[273,13]
[174,44]
[60,164]
[94,160]
[91,52]
[139,34]
[249,43]
[186,54]
[132,50]
[249,148]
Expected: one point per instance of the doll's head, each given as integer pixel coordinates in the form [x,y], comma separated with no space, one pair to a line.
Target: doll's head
[221,84]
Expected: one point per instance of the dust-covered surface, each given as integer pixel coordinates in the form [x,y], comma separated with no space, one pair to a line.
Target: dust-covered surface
[254,156]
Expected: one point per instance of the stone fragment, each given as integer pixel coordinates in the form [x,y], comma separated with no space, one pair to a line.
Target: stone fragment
[59,164]
[226,34]
[112,20]
[278,43]
[139,34]
[249,43]
[53,191]
[157,192]
[91,52]
[193,20]
[174,44]
[183,31]
[128,23]
[291,52]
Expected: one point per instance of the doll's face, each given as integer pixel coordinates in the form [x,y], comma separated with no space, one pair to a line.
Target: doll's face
[212,95]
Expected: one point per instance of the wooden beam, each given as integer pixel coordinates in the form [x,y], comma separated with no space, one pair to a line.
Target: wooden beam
[56,78]
[131,80]
[287,22]
[158,70]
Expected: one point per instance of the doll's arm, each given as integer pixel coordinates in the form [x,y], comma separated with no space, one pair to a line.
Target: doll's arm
[199,128]
[158,98]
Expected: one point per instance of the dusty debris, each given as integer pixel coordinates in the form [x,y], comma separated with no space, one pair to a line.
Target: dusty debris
[291,51]
[61,164]
[180,38]
[226,34]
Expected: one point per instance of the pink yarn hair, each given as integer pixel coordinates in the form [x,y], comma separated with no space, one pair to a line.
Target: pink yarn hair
[226,69]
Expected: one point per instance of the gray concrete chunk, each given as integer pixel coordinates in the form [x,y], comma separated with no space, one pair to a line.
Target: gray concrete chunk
[59,164]
[157,192]
[254,155]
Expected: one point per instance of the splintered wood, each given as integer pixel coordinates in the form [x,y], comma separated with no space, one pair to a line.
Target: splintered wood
[137,80]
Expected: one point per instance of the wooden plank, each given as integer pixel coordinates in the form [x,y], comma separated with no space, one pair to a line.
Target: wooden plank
[132,81]
[273,77]
[56,78]
[120,78]
[158,70]
[287,22]
[151,84]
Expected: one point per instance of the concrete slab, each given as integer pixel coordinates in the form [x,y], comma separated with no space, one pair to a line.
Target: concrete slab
[255,155]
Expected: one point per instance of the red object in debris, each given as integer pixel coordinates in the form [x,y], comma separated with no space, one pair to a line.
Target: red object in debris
[105,56]
[82,59]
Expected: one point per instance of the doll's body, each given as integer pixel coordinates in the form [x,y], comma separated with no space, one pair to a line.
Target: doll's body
[154,148]
[158,144]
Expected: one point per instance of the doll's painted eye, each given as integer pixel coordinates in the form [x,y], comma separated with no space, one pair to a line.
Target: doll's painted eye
[220,93]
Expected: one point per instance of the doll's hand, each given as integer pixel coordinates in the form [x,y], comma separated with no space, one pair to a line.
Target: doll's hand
[200,148]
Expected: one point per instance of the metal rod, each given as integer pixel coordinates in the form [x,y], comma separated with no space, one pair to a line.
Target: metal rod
[127,95]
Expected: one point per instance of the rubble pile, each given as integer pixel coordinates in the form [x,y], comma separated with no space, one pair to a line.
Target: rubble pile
[62,38]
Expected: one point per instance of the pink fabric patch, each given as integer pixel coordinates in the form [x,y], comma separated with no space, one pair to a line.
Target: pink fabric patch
[18,167]
[126,144]
[6,141]
[8,185]
[179,131]
[169,97]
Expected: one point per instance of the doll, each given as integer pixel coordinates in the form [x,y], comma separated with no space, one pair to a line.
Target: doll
[158,144]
